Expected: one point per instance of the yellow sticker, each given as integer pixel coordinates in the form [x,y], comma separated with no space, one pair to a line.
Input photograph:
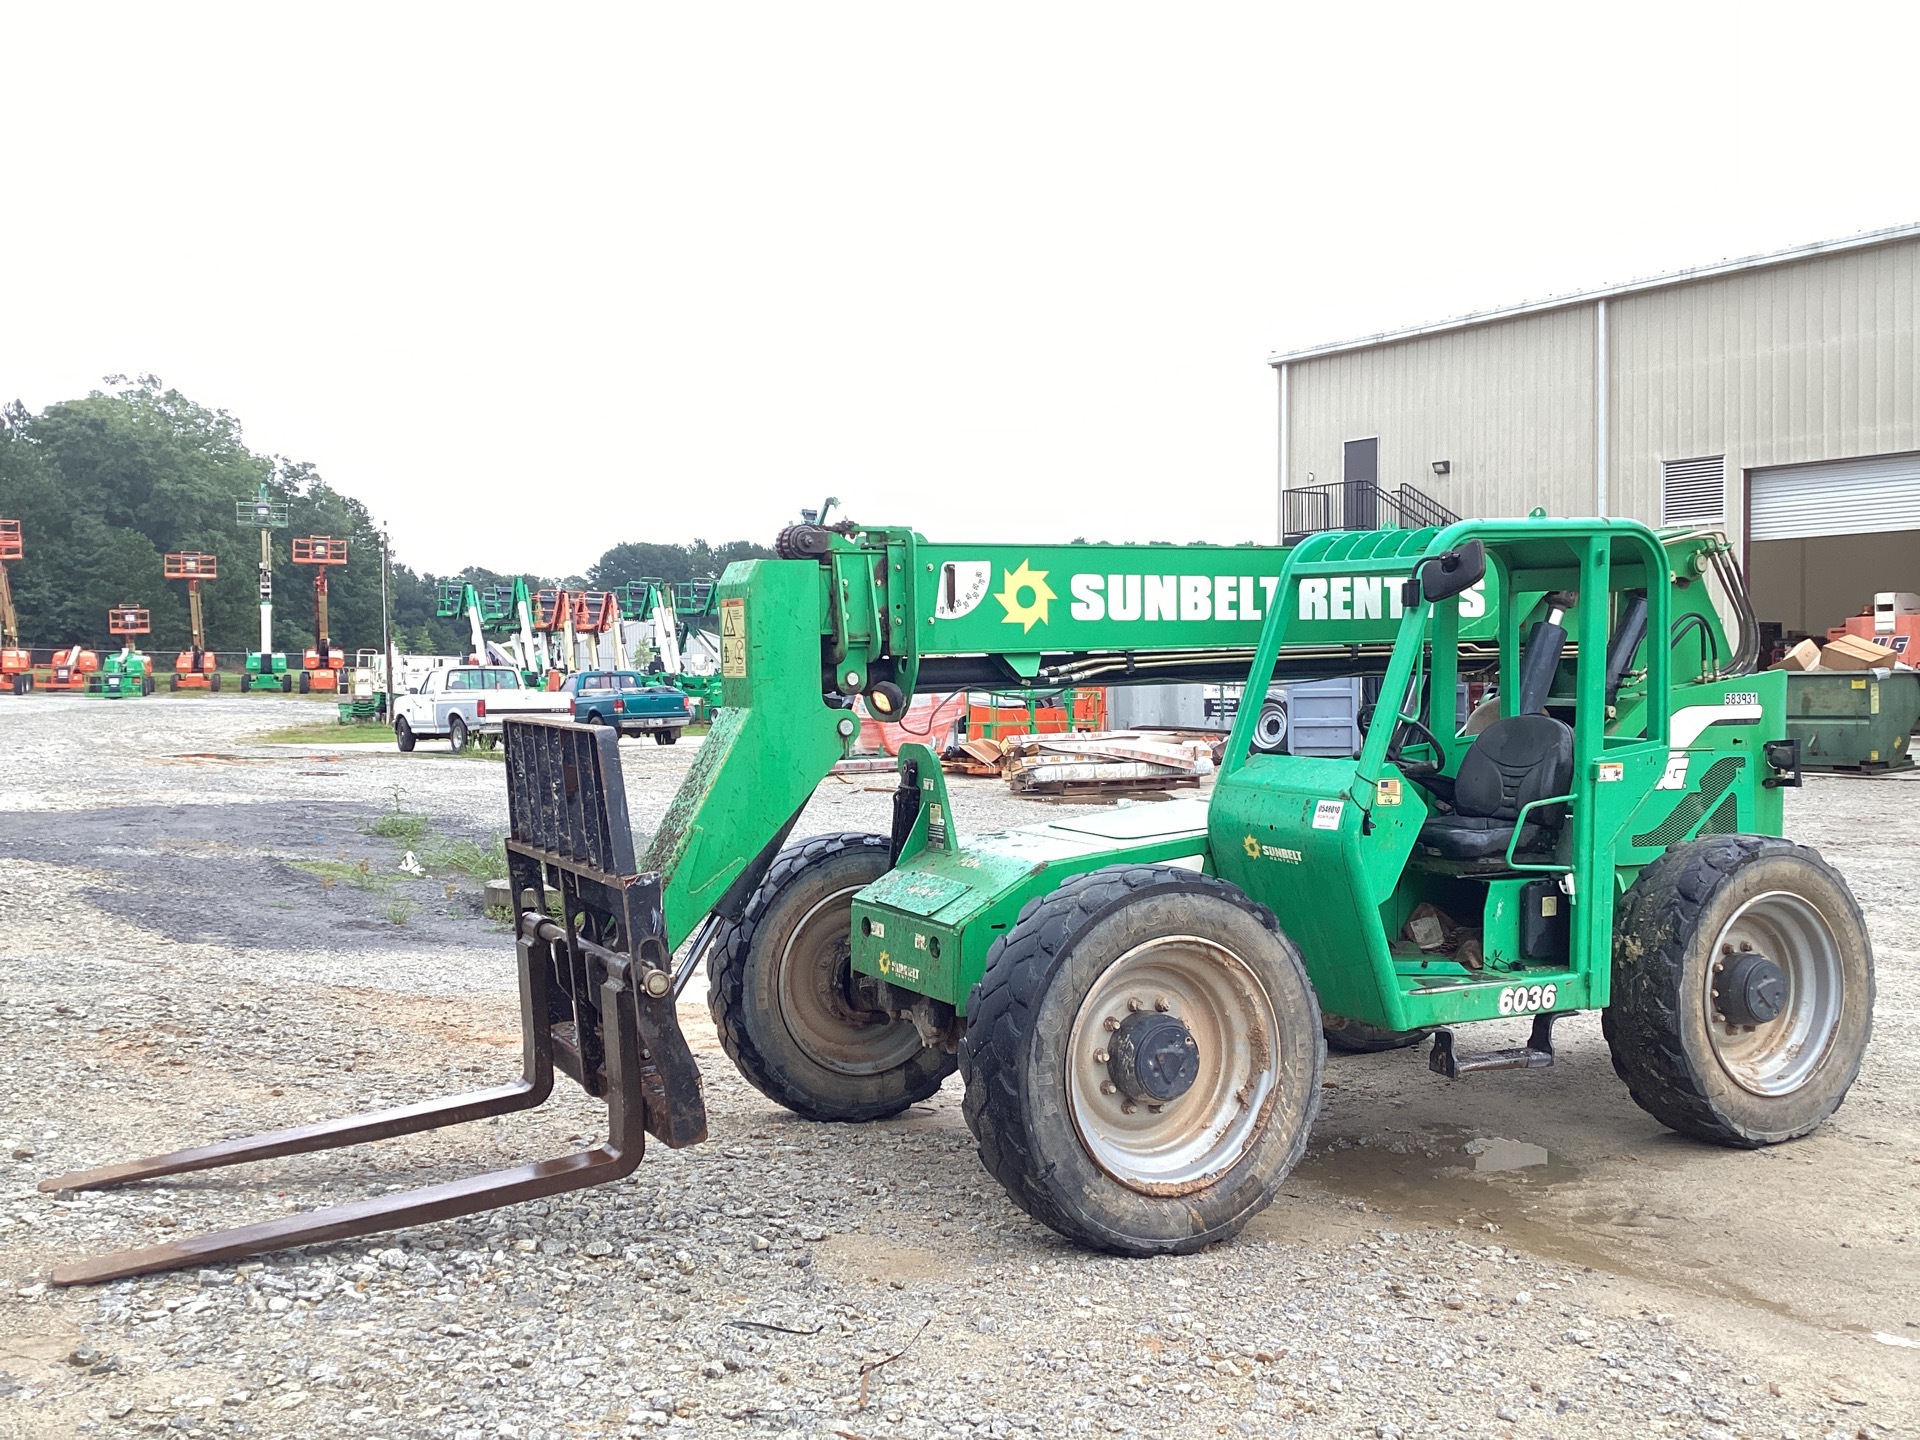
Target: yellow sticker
[1612,770]
[1873,698]
[1388,792]
[733,639]
[1859,684]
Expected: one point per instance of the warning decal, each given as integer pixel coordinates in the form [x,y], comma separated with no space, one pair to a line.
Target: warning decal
[733,639]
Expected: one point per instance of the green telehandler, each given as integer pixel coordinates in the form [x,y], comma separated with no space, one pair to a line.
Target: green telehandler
[1140,1000]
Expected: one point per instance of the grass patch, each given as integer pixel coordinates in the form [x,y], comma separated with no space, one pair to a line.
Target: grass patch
[398,913]
[399,825]
[324,734]
[358,874]
[467,857]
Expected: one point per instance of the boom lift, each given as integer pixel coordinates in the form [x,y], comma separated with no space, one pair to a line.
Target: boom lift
[16,662]
[127,671]
[265,668]
[324,664]
[194,668]
[553,612]
[500,609]
[597,613]
[1137,999]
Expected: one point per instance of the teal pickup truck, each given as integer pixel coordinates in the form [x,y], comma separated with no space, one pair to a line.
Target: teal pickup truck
[624,700]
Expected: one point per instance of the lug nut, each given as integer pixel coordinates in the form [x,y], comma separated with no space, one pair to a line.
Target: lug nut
[1160,1004]
[1099,1057]
[1133,1003]
[1110,1023]
[1107,1087]
[1155,1109]
[1128,1108]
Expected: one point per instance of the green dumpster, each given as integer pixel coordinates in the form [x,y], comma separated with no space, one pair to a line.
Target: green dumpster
[1848,720]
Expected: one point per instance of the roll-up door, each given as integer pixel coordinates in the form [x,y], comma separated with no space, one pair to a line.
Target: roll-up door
[1837,497]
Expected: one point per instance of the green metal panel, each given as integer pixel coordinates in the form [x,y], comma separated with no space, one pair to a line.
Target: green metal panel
[926,925]
[773,741]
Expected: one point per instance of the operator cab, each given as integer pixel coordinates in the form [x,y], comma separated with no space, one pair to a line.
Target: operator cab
[1514,762]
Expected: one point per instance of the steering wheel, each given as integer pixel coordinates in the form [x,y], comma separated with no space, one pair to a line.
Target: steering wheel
[1421,733]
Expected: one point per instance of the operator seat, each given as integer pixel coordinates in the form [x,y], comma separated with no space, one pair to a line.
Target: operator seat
[1511,762]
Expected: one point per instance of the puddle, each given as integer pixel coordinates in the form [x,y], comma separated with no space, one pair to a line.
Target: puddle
[1401,1162]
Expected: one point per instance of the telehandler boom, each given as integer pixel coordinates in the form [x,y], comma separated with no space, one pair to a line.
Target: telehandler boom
[1140,1001]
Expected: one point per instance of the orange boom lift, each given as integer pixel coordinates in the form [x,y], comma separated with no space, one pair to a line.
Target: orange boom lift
[324,664]
[16,664]
[194,669]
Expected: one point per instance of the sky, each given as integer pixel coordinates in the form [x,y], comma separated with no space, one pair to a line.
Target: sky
[532,281]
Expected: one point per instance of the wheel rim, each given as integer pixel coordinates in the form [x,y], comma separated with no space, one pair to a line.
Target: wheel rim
[1270,730]
[1778,1057]
[815,967]
[1178,1146]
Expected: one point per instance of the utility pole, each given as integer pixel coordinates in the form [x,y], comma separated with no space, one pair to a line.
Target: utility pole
[387,691]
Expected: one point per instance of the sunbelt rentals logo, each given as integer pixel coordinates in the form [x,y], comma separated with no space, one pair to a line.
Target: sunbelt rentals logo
[1025,596]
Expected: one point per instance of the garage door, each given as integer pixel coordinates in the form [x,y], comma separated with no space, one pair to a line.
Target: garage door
[1836,497]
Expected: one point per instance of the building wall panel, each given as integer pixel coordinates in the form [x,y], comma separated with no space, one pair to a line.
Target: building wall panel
[1807,360]
[1813,360]
[1509,405]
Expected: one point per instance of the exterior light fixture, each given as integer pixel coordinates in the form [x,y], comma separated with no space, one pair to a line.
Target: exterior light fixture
[1442,467]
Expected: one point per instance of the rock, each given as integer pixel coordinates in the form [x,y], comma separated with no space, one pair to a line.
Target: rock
[84,1356]
[1507,1413]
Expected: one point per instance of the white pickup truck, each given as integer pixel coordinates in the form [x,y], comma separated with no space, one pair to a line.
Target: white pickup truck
[462,702]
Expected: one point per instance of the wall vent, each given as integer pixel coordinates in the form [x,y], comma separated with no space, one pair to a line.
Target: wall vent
[1692,491]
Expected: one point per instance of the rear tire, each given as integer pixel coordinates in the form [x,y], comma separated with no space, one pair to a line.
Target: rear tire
[1356,1037]
[1092,964]
[213,682]
[665,737]
[779,988]
[306,682]
[246,683]
[457,736]
[286,684]
[173,683]
[403,735]
[148,685]
[1677,1038]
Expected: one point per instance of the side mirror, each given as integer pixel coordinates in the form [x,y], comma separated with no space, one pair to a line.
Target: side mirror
[413,690]
[1459,569]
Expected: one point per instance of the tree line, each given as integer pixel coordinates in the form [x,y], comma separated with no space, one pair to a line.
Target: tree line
[105,486]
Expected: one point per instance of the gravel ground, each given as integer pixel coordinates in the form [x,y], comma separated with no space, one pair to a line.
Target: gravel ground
[172,974]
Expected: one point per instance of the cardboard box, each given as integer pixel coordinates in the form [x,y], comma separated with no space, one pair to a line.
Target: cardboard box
[1804,656]
[1855,652]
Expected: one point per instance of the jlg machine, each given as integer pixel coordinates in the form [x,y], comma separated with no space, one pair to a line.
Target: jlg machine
[128,671]
[265,667]
[194,668]
[1140,1001]
[324,664]
[16,661]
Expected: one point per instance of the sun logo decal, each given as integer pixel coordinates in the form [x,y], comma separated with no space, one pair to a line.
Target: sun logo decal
[1024,580]
[1252,847]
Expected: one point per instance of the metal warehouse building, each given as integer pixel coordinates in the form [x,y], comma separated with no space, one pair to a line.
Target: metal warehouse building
[1777,397]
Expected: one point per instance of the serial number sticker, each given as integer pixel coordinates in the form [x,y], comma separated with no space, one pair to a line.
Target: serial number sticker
[1326,814]
[1611,770]
[1741,697]
[1525,999]
[1388,792]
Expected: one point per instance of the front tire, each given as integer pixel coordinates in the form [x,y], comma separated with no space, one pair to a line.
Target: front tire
[457,736]
[1742,990]
[1075,1005]
[403,735]
[782,997]
[306,682]
[213,682]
